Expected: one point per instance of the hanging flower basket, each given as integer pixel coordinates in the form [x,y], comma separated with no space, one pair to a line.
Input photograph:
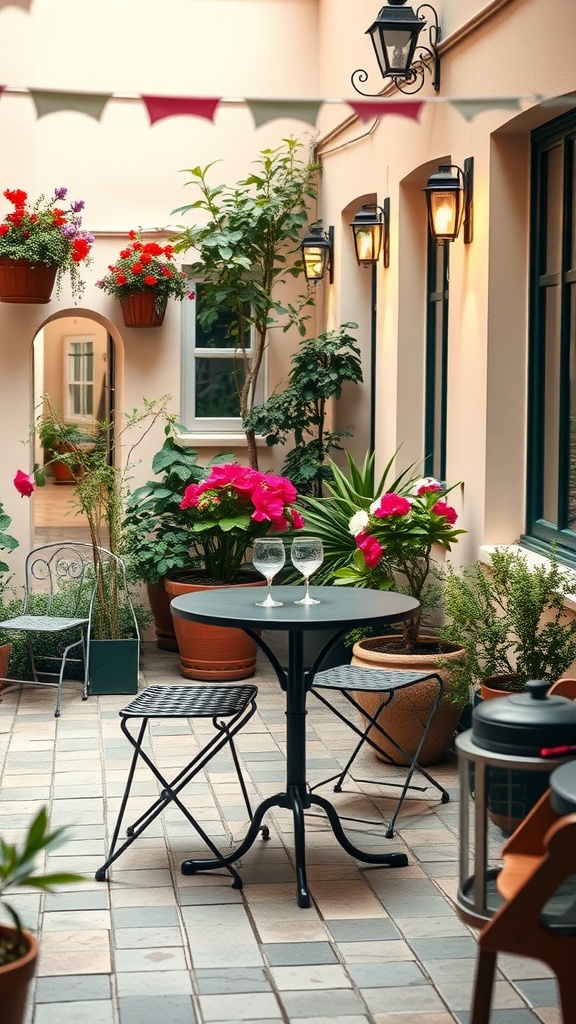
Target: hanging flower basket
[140,309]
[24,281]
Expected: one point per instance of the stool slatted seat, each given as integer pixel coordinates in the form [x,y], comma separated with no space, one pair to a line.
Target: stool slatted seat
[229,707]
[348,679]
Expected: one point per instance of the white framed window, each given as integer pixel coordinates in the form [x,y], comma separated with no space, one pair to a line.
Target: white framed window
[79,378]
[212,371]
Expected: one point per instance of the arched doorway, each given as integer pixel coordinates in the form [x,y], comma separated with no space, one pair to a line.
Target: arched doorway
[73,363]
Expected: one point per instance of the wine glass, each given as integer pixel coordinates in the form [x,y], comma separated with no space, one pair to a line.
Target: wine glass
[268,558]
[307,556]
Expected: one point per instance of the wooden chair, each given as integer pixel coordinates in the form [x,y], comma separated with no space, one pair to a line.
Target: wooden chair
[538,883]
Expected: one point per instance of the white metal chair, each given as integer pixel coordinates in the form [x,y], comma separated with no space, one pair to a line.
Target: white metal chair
[60,576]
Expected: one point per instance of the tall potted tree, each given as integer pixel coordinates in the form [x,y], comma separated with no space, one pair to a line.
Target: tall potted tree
[245,248]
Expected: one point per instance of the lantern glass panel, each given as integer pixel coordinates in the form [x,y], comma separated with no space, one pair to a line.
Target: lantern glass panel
[368,242]
[445,210]
[398,44]
[315,259]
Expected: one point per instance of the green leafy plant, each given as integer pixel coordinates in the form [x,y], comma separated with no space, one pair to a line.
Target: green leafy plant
[510,617]
[320,367]
[145,267]
[101,485]
[46,232]
[7,542]
[246,247]
[156,531]
[17,867]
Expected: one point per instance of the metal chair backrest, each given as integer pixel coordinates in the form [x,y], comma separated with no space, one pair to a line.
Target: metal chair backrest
[53,569]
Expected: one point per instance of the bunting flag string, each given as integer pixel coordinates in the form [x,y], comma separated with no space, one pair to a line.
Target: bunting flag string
[160,107]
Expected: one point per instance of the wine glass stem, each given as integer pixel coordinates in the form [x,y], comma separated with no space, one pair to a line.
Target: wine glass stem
[306,593]
[269,582]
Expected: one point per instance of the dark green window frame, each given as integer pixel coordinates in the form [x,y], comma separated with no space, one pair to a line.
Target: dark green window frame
[551,470]
[436,390]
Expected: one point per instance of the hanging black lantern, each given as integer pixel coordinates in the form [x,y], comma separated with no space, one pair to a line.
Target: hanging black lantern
[449,201]
[318,253]
[395,36]
[371,229]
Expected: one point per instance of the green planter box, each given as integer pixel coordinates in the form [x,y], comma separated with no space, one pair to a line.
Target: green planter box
[113,666]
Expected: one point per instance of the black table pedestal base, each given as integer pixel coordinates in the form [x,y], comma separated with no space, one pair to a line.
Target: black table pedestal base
[292,800]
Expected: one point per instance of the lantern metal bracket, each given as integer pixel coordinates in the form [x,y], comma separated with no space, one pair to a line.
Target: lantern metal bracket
[425,58]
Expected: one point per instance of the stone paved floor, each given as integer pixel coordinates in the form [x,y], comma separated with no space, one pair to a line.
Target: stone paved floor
[151,946]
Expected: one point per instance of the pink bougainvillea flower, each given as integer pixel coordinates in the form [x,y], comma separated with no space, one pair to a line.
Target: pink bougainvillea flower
[24,483]
[392,505]
[268,505]
[297,520]
[370,548]
[191,496]
[441,508]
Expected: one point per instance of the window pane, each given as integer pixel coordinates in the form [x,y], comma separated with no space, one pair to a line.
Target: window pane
[572,482]
[552,405]
[217,334]
[554,211]
[216,390]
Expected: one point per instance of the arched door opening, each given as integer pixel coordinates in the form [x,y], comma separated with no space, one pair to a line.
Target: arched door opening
[73,363]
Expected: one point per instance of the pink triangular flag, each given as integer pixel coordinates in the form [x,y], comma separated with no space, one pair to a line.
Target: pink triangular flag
[366,111]
[159,107]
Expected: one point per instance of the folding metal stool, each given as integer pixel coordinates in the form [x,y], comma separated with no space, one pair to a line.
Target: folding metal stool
[229,707]
[346,679]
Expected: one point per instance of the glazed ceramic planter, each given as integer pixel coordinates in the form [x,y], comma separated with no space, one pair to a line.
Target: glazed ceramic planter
[212,652]
[23,281]
[410,709]
[113,666]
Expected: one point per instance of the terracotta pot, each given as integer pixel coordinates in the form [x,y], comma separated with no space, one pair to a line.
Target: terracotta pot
[139,310]
[212,652]
[410,708]
[159,601]
[4,659]
[498,686]
[22,281]
[62,472]
[15,979]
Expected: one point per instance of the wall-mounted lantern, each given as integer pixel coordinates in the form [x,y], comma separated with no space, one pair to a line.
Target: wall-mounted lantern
[371,229]
[449,199]
[318,254]
[395,37]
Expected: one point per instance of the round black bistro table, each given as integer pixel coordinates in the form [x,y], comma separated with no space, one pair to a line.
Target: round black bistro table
[340,609]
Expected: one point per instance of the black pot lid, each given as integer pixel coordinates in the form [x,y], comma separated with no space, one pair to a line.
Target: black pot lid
[525,723]
[563,786]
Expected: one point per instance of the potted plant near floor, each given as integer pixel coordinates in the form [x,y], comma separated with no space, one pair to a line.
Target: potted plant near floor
[58,438]
[226,513]
[41,243]
[510,615]
[100,478]
[143,278]
[388,541]
[19,948]
[156,532]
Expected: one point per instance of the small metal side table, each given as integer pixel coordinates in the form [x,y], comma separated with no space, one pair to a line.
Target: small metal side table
[341,609]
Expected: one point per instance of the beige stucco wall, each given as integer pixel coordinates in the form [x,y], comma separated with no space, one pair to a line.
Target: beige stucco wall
[130,175]
[522,49]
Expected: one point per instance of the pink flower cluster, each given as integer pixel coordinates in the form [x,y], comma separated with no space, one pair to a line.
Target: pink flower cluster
[271,496]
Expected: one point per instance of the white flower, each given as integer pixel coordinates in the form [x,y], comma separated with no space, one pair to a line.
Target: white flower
[375,505]
[358,522]
[427,483]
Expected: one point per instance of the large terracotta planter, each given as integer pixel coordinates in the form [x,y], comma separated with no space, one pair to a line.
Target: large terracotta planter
[139,310]
[159,601]
[15,980]
[212,652]
[4,659]
[410,708]
[22,281]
